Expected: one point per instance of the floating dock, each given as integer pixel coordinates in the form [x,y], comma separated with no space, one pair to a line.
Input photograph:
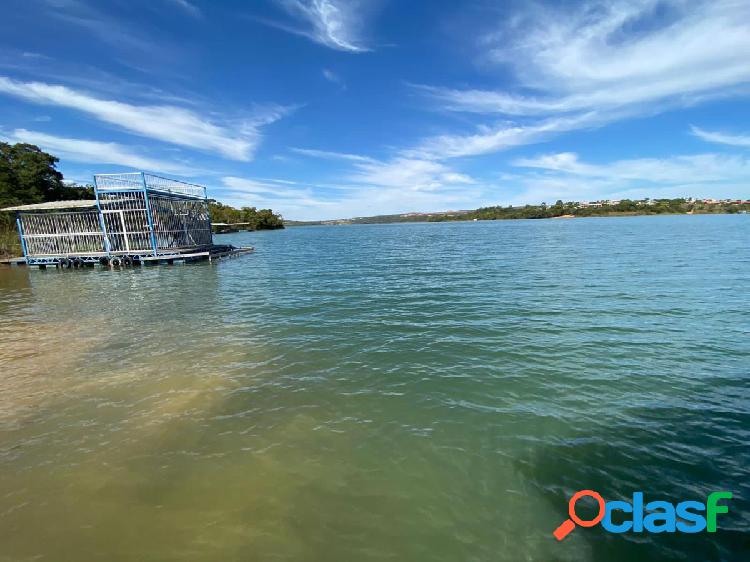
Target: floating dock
[208,253]
[135,219]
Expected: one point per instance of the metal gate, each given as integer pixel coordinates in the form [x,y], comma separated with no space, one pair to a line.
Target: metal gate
[126,221]
[127,230]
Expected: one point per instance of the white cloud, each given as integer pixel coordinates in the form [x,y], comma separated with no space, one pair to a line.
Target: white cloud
[88,151]
[601,61]
[490,139]
[256,187]
[365,186]
[402,185]
[334,78]
[168,123]
[365,201]
[619,53]
[415,174]
[721,138]
[116,32]
[565,176]
[385,201]
[334,23]
[291,199]
[675,169]
[408,174]
[188,7]
[328,155]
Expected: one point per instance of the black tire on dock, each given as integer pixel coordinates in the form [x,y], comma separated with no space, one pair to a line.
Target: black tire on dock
[115,262]
[65,263]
[77,262]
[127,261]
[104,260]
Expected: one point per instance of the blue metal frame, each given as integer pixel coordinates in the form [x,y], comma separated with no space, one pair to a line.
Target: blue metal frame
[143,256]
[154,246]
[107,245]
[208,212]
[20,235]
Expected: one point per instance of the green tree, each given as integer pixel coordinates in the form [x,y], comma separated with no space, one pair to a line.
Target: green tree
[28,175]
[247,218]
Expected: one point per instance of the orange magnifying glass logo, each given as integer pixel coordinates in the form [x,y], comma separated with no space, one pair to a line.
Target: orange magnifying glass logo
[569,524]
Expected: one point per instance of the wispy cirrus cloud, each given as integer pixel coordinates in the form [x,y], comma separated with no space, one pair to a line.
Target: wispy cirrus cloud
[565,176]
[329,155]
[113,31]
[337,24]
[89,151]
[395,185]
[235,139]
[269,188]
[377,200]
[290,198]
[599,62]
[409,174]
[493,138]
[305,202]
[721,138]
[334,78]
[188,7]
[675,169]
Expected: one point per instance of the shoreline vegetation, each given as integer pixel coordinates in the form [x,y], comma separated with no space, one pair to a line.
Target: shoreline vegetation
[29,175]
[559,210]
[225,219]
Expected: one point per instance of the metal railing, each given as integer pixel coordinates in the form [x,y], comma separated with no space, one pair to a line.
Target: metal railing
[141,180]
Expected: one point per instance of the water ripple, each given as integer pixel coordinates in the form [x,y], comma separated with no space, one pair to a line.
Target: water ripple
[399,392]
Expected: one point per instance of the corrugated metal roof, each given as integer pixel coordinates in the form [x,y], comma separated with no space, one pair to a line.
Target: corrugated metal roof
[54,205]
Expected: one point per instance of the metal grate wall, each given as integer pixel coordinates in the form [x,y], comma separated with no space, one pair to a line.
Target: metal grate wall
[61,234]
[180,223]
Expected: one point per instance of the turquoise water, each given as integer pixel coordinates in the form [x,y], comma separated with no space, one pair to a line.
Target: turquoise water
[386,392]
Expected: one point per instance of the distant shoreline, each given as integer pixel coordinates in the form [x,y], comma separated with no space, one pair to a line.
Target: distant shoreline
[623,208]
[343,222]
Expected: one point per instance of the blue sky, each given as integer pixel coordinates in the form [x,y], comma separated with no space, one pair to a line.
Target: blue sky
[330,109]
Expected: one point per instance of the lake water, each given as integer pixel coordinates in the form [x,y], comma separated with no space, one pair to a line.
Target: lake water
[405,392]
